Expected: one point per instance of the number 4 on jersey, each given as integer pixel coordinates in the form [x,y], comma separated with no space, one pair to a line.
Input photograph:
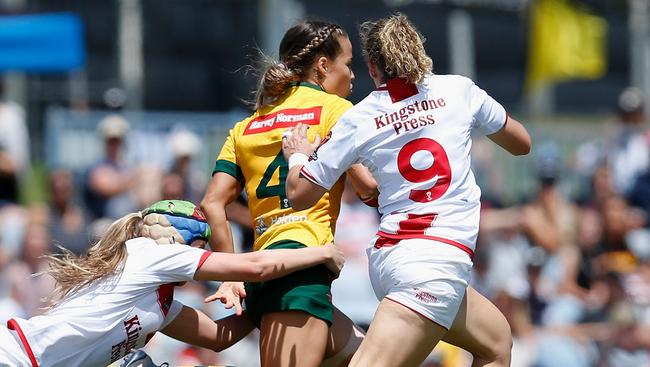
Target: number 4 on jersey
[266,191]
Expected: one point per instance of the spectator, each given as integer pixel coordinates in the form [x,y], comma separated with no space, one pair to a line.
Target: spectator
[184,146]
[550,223]
[68,221]
[625,149]
[110,179]
[629,153]
[173,186]
[27,290]
[14,149]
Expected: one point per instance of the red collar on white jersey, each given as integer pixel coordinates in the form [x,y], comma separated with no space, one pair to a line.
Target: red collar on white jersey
[399,89]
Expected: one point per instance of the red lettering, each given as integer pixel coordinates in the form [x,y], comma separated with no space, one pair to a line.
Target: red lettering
[379,122]
[397,127]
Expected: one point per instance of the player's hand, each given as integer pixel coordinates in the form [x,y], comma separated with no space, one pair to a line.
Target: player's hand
[336,259]
[295,140]
[230,294]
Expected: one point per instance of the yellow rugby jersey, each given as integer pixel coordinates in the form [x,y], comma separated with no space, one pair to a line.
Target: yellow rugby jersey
[252,154]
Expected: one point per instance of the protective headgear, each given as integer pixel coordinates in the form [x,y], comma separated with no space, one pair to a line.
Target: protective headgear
[175,221]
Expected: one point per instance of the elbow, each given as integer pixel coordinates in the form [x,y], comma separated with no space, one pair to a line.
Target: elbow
[299,205]
[205,206]
[523,147]
[522,150]
[258,269]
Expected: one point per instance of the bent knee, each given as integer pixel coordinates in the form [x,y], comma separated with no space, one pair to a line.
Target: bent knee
[500,347]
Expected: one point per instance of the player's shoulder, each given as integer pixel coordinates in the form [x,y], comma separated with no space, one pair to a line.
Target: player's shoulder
[139,244]
[334,101]
[451,80]
[361,108]
[240,125]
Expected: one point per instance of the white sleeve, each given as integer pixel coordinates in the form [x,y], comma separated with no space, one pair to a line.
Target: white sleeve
[488,114]
[333,157]
[170,263]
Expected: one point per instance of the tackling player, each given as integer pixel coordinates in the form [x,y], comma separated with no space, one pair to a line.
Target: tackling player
[414,134]
[118,295]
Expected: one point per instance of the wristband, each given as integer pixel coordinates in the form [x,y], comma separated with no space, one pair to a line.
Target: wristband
[298,159]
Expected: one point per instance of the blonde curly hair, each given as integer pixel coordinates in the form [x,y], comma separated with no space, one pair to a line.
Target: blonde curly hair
[396,47]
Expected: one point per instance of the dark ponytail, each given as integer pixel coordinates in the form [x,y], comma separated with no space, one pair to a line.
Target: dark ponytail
[299,48]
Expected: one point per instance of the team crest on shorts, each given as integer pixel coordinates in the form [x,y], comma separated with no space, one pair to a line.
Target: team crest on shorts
[425,296]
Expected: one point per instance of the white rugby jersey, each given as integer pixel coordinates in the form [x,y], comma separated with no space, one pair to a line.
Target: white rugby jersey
[101,323]
[416,141]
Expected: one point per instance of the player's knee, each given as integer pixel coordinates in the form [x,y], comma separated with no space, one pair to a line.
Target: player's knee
[504,344]
[342,356]
[497,348]
[501,345]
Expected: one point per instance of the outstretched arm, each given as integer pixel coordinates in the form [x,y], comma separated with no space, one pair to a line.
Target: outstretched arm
[222,190]
[513,137]
[261,266]
[194,327]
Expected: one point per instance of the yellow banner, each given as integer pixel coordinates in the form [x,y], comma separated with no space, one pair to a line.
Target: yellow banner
[566,42]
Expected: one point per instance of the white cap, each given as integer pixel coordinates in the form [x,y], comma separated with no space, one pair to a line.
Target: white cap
[113,126]
[630,100]
[184,143]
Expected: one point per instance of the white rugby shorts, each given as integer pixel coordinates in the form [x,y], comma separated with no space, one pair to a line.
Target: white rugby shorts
[426,276]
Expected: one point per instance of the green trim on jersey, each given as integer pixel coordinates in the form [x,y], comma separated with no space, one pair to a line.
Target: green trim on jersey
[222,165]
[306,84]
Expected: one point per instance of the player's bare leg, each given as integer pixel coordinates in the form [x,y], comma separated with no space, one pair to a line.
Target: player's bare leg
[343,340]
[481,329]
[397,337]
[292,338]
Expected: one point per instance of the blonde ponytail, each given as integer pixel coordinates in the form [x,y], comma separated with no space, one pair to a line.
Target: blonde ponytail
[103,259]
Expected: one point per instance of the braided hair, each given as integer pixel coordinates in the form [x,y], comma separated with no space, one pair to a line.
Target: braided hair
[301,45]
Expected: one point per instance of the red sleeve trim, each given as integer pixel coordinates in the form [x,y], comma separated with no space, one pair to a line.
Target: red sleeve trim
[308,176]
[204,257]
[13,325]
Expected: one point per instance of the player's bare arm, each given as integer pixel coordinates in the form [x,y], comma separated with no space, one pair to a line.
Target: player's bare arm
[222,190]
[262,266]
[296,148]
[513,137]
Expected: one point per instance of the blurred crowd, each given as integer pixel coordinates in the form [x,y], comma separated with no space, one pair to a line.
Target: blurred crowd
[571,274]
